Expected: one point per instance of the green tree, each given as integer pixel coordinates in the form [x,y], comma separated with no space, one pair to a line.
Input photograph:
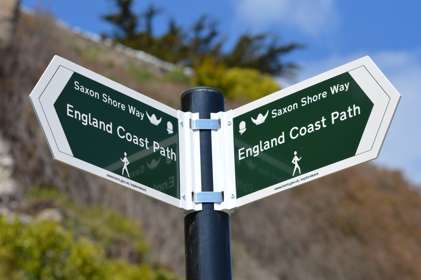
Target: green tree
[263,53]
[123,19]
[204,41]
[148,16]
[171,46]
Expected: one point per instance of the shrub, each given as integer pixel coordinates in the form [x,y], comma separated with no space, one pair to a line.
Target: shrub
[236,83]
[89,243]
[116,234]
[45,250]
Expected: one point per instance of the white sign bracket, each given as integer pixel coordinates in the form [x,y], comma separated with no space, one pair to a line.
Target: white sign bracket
[205,124]
[190,170]
[208,197]
[223,160]
[191,193]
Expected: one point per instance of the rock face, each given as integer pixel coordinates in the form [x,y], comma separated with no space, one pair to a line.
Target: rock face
[8,187]
[8,18]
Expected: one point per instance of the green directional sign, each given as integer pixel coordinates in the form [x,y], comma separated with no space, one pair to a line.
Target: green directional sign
[317,127]
[107,129]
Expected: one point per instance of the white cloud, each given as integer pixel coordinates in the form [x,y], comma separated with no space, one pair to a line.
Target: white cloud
[402,147]
[310,16]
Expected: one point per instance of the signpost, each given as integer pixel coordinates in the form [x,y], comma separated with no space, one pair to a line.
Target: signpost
[207,160]
[322,125]
[102,127]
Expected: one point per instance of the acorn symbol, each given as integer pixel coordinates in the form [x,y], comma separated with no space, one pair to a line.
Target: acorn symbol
[170,128]
[242,127]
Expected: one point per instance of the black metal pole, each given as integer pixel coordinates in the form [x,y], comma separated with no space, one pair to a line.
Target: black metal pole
[207,232]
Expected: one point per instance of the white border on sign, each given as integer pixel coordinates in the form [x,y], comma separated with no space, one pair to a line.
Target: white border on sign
[59,152]
[47,99]
[379,121]
[223,164]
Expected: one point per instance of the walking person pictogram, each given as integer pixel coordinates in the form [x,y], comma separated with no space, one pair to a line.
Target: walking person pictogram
[125,162]
[295,161]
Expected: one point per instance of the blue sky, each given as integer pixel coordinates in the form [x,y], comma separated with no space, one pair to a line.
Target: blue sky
[333,31]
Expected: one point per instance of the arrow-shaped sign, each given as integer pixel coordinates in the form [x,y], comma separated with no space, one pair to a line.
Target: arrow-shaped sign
[107,129]
[322,125]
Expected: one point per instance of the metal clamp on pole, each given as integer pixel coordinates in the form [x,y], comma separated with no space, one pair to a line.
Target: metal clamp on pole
[205,124]
[208,197]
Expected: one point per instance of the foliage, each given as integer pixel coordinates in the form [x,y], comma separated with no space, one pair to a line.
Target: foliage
[78,248]
[44,250]
[261,53]
[191,46]
[248,83]
[119,236]
[125,20]
[236,83]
